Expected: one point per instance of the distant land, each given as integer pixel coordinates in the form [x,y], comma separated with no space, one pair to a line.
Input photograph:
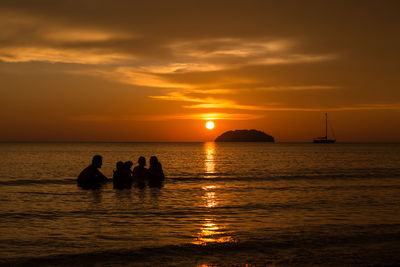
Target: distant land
[244,136]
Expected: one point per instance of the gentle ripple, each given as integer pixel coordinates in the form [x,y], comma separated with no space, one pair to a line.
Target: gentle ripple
[245,197]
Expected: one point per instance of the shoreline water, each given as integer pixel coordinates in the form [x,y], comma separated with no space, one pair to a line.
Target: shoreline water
[372,245]
[221,204]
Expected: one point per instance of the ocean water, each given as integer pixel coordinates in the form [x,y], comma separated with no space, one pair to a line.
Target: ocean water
[222,204]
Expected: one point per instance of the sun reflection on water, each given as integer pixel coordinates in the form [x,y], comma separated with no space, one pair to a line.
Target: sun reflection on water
[209,161]
[209,196]
[211,231]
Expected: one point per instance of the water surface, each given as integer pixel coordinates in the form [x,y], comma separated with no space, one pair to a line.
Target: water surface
[222,203]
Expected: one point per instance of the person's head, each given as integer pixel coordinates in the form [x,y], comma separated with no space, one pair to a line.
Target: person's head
[153,160]
[97,161]
[120,165]
[142,161]
[128,164]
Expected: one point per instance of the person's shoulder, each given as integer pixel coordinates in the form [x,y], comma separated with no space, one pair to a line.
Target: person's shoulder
[86,170]
[126,172]
[91,168]
[159,165]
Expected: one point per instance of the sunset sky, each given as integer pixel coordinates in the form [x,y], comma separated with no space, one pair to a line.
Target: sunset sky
[158,70]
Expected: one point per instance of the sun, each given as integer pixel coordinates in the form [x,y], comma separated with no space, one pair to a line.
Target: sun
[210,125]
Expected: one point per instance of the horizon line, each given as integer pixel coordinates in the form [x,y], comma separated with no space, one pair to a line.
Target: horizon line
[279,142]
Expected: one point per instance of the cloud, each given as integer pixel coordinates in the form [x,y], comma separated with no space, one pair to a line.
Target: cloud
[213,57]
[359,107]
[213,103]
[292,59]
[53,55]
[227,116]
[297,87]
[182,67]
[223,116]
[91,45]
[217,47]
[73,35]
[236,53]
[26,38]
[224,104]
[367,107]
[113,51]
[194,116]
[205,103]
[136,77]
[212,91]
[177,96]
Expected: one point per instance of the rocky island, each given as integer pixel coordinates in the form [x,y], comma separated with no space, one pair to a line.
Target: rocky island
[244,136]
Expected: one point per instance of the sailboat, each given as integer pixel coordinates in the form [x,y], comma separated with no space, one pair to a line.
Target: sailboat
[325,139]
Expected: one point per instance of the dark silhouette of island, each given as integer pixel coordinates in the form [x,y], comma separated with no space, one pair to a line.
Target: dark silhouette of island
[244,136]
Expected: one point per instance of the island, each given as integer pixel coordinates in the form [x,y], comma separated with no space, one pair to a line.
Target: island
[244,136]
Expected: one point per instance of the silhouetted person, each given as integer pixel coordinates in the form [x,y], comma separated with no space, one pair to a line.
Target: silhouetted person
[140,173]
[123,175]
[117,174]
[127,175]
[156,175]
[91,177]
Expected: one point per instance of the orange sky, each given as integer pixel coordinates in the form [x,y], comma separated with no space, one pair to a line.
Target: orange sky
[156,70]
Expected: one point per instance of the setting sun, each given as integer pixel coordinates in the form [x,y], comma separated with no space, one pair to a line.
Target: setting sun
[210,125]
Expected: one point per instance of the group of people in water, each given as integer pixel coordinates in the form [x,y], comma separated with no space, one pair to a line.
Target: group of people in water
[123,177]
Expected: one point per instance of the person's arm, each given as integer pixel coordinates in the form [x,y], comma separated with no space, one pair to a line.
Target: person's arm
[101,176]
[161,171]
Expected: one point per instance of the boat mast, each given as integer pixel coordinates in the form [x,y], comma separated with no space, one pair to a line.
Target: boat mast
[326,125]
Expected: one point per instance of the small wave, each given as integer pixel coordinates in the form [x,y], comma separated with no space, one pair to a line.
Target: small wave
[17,182]
[378,244]
[199,177]
[285,177]
[50,215]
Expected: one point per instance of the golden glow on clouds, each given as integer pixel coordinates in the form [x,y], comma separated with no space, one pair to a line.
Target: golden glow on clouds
[298,88]
[180,68]
[203,55]
[52,42]
[207,103]
[81,35]
[176,66]
[43,54]
[195,116]
[135,77]
[242,52]
[211,48]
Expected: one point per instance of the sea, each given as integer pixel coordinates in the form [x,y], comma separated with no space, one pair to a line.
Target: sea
[222,204]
